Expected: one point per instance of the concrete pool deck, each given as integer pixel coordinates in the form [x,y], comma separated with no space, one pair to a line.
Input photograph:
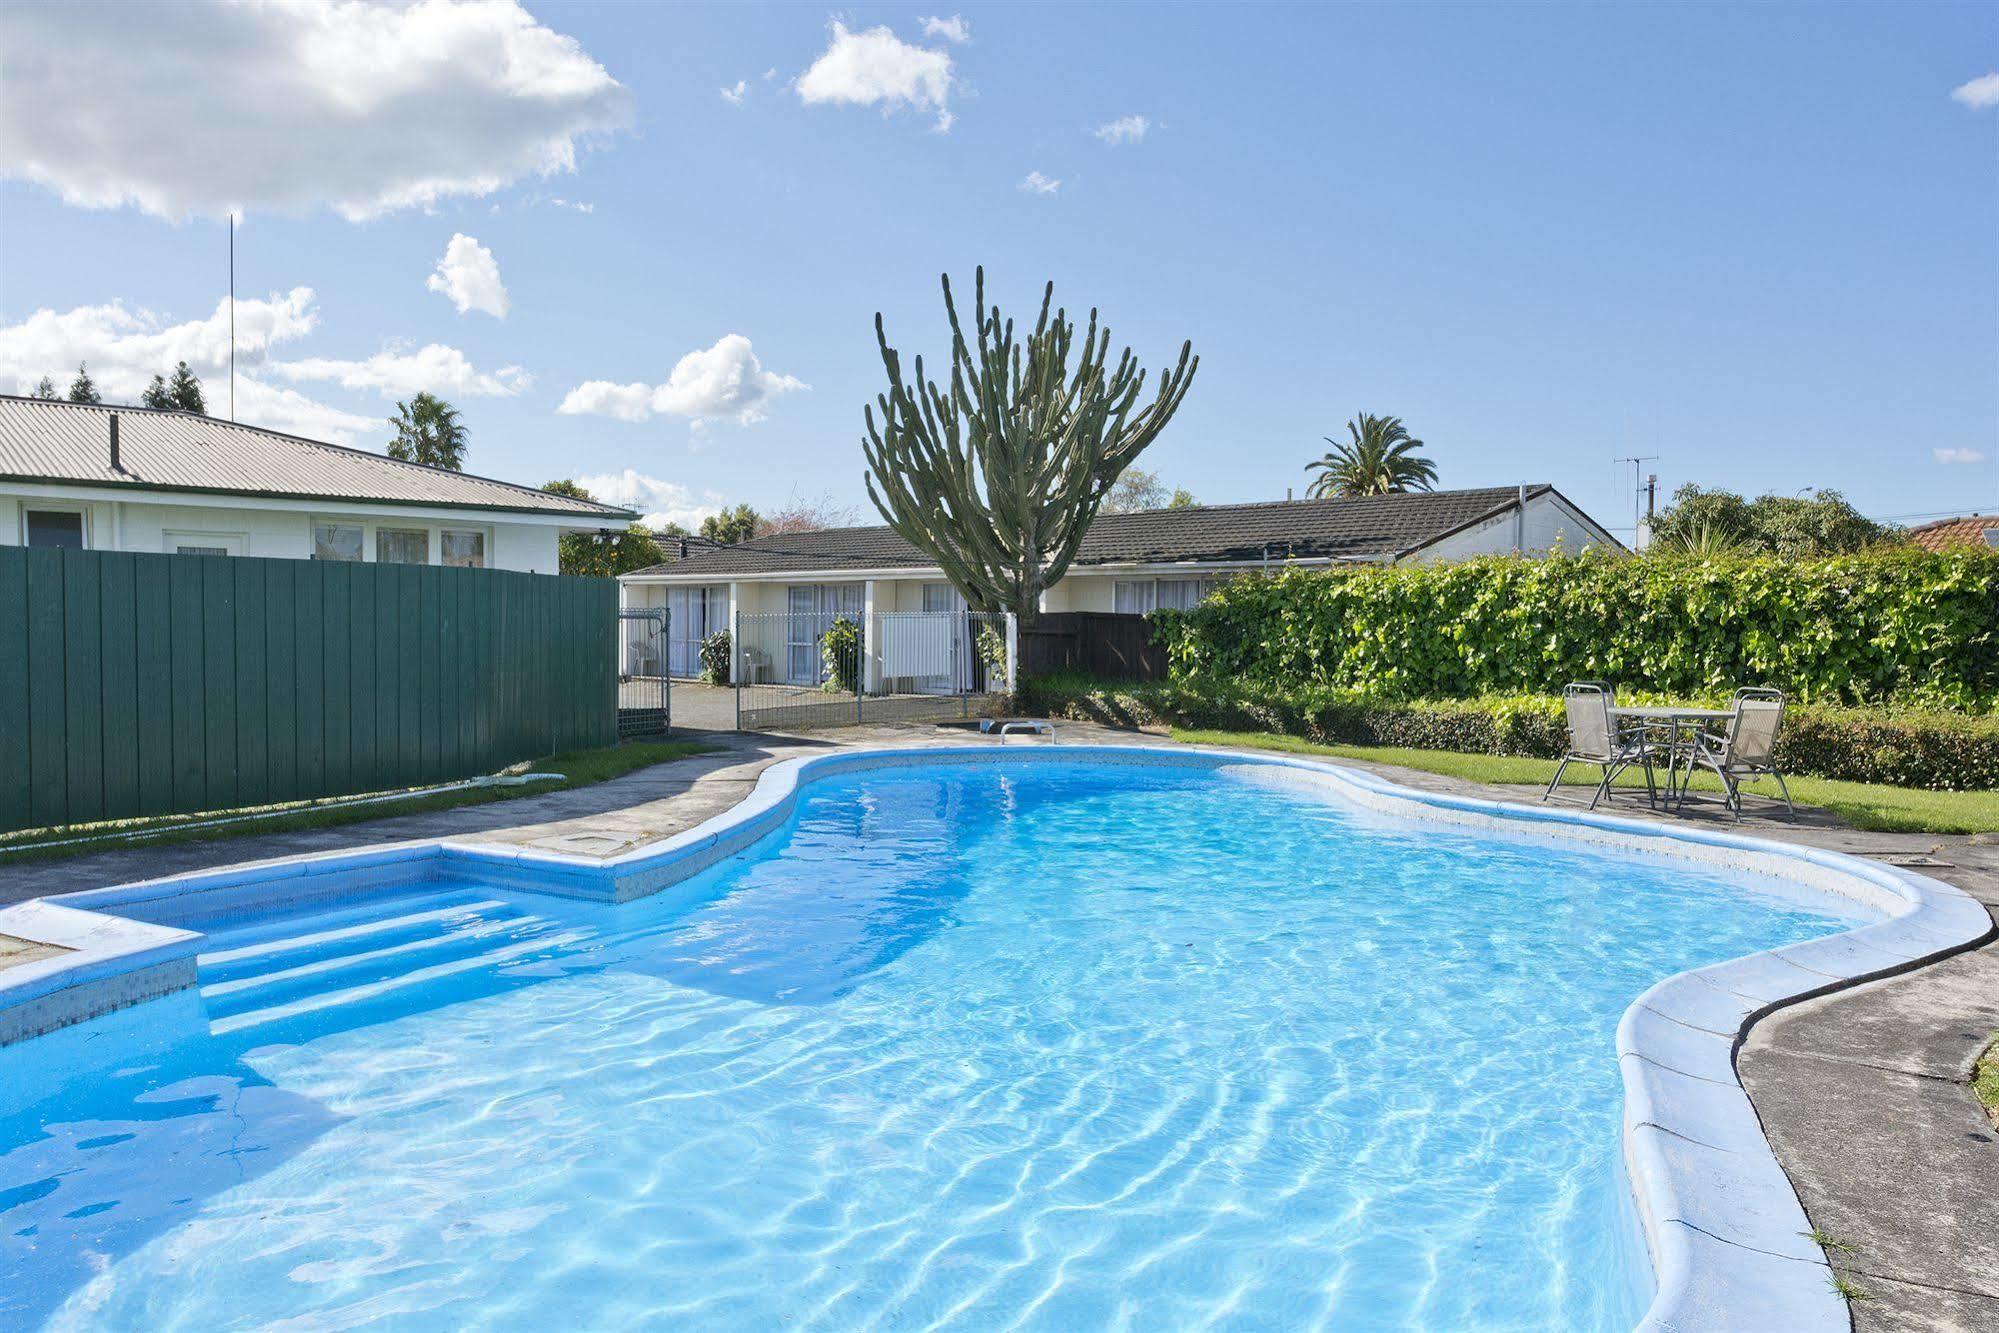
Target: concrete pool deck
[1861,1093]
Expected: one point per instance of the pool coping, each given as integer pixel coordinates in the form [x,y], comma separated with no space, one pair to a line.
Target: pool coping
[1727,1237]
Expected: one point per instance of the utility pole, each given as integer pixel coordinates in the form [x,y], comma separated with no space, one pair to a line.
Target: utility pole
[1642,490]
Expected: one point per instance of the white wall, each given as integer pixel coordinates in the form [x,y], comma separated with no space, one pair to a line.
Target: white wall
[285,534]
[1550,525]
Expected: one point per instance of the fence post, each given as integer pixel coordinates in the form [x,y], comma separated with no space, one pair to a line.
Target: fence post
[861,661]
[1012,653]
[736,654]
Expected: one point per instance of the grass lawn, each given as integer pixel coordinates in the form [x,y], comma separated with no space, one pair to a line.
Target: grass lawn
[1863,805]
[1985,1081]
[579,768]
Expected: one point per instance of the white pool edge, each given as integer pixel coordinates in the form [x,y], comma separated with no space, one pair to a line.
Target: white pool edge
[1727,1235]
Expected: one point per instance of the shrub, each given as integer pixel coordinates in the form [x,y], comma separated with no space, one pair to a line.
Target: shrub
[1904,624]
[840,649]
[715,657]
[1902,747]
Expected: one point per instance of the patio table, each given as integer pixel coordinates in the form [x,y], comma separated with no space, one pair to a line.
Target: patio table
[1683,721]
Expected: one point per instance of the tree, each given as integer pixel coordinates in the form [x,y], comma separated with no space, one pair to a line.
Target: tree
[46,389]
[731,525]
[83,389]
[1705,522]
[1183,499]
[998,478]
[589,554]
[185,391]
[1380,459]
[428,431]
[803,514]
[1136,489]
[157,396]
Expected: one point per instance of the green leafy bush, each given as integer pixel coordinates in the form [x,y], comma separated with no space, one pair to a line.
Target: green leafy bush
[1903,747]
[715,657]
[1905,624]
[840,649]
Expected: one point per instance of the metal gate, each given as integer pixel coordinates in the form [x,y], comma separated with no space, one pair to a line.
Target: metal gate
[645,690]
[832,667]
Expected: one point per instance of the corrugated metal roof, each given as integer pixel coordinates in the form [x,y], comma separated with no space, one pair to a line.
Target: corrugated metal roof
[70,443]
[1371,527]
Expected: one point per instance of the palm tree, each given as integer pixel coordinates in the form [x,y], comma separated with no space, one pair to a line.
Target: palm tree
[428,431]
[1381,459]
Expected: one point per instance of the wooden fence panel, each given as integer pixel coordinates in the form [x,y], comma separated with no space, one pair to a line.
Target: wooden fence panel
[1097,643]
[136,684]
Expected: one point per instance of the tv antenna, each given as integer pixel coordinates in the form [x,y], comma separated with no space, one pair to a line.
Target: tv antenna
[1644,497]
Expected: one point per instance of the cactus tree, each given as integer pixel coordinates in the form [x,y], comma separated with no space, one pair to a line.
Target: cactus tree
[998,477]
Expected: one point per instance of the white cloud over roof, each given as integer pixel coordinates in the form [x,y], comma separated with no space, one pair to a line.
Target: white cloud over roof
[723,381]
[470,276]
[877,68]
[185,109]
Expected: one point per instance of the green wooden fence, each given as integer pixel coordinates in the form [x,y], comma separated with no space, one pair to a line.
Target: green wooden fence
[162,684]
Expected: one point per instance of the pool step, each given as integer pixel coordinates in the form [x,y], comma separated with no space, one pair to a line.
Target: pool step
[266,980]
[376,989]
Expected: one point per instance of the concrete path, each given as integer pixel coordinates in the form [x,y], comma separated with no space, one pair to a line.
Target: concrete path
[1864,1094]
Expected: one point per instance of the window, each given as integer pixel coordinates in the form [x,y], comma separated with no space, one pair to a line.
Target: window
[1139,597]
[336,541]
[1134,597]
[942,597]
[462,549]
[57,528]
[204,543]
[811,609]
[1992,537]
[402,546]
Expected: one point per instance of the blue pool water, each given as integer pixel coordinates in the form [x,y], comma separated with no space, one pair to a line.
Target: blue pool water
[1064,1046]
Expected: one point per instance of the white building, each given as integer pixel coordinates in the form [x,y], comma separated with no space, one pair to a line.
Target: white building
[133,479]
[1135,562]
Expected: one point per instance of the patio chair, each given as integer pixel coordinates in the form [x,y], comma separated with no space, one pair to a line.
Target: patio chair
[1594,738]
[1747,747]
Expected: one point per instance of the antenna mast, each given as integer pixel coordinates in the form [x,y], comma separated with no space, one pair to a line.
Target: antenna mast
[232,316]
[1641,497]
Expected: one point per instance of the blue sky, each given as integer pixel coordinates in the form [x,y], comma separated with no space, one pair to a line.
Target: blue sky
[1761,242]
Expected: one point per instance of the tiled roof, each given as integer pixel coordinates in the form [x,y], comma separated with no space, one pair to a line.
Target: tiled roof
[69,443]
[1969,530]
[1372,527]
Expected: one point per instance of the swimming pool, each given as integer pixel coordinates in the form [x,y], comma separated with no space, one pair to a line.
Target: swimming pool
[1057,1044]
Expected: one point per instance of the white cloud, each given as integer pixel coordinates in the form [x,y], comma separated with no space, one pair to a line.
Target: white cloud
[1979,93]
[734,96]
[433,368]
[725,380]
[876,68]
[953,29]
[1036,183]
[1125,129]
[1957,455]
[770,73]
[363,106]
[126,348]
[288,410]
[470,276]
[658,502]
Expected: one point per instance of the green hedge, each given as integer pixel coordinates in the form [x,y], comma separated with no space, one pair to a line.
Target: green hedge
[1901,747]
[1912,625]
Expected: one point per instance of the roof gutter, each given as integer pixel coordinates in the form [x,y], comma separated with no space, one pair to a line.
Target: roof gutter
[599,516]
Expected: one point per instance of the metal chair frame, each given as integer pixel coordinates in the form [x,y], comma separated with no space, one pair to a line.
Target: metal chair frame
[1612,749]
[1721,754]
